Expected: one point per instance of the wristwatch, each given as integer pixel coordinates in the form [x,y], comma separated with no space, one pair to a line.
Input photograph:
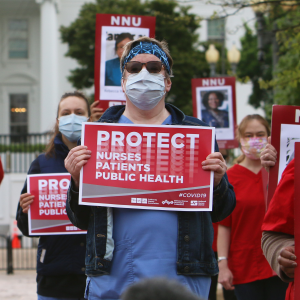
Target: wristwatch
[221,258]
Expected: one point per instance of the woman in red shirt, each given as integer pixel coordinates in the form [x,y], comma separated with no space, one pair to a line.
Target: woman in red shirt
[242,264]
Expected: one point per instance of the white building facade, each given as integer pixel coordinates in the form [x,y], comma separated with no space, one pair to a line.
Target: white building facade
[33,66]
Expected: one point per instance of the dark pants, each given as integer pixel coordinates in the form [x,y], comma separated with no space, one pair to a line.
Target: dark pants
[267,289]
[213,288]
[229,295]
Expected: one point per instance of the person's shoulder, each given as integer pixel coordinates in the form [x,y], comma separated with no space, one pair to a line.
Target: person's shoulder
[113,113]
[288,175]
[35,165]
[224,112]
[113,61]
[290,168]
[194,121]
[44,157]
[204,112]
[182,118]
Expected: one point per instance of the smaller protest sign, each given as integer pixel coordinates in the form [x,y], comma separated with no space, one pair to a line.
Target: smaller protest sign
[214,103]
[113,32]
[47,214]
[284,133]
[297,219]
[147,166]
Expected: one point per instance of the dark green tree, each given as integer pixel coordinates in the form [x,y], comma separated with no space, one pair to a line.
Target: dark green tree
[278,81]
[250,68]
[286,81]
[174,24]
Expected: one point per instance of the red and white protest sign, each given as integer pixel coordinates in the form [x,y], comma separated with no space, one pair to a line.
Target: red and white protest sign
[297,219]
[112,33]
[214,103]
[285,132]
[47,214]
[147,166]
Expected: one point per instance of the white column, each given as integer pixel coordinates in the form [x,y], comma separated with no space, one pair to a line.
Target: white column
[49,97]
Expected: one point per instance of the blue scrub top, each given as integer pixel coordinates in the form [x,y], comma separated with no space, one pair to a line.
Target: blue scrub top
[145,246]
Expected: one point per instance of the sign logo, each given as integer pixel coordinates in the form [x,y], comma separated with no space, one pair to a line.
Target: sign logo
[139,200]
[167,202]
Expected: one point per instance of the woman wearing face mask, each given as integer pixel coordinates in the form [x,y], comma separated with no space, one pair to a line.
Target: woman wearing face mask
[125,245]
[242,264]
[60,258]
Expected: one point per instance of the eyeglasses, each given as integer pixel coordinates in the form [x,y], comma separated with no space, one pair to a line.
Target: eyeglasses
[151,66]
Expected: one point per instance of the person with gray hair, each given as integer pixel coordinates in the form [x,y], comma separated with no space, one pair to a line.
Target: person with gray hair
[158,289]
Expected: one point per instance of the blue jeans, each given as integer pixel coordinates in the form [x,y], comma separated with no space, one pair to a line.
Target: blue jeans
[54,298]
[267,289]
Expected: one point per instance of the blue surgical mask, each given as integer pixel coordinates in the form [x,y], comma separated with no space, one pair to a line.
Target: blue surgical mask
[70,126]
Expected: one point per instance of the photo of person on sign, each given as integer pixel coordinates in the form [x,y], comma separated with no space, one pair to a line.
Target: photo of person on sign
[212,114]
[113,73]
[123,244]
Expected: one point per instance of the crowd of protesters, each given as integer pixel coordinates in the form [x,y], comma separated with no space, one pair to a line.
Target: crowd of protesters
[123,246]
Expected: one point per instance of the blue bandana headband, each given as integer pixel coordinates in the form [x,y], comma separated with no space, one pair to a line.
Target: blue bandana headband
[149,48]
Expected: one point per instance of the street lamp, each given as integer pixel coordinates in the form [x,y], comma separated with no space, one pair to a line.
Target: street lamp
[289,5]
[233,56]
[212,56]
[259,6]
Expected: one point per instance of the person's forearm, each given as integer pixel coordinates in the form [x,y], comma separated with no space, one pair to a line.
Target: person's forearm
[223,240]
[272,243]
[223,244]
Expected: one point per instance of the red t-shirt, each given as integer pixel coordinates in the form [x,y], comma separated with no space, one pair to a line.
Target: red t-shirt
[1,171]
[280,214]
[245,259]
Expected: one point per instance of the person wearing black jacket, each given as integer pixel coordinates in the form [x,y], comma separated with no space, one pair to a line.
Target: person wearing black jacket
[60,258]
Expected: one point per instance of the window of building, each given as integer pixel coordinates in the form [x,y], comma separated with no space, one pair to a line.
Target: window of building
[18,38]
[18,115]
[216,29]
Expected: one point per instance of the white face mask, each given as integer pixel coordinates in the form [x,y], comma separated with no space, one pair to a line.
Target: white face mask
[145,90]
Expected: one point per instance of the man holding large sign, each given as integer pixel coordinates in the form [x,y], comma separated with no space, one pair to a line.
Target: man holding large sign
[124,245]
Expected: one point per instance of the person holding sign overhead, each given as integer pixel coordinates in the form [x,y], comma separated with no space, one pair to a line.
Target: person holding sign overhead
[125,245]
[60,258]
